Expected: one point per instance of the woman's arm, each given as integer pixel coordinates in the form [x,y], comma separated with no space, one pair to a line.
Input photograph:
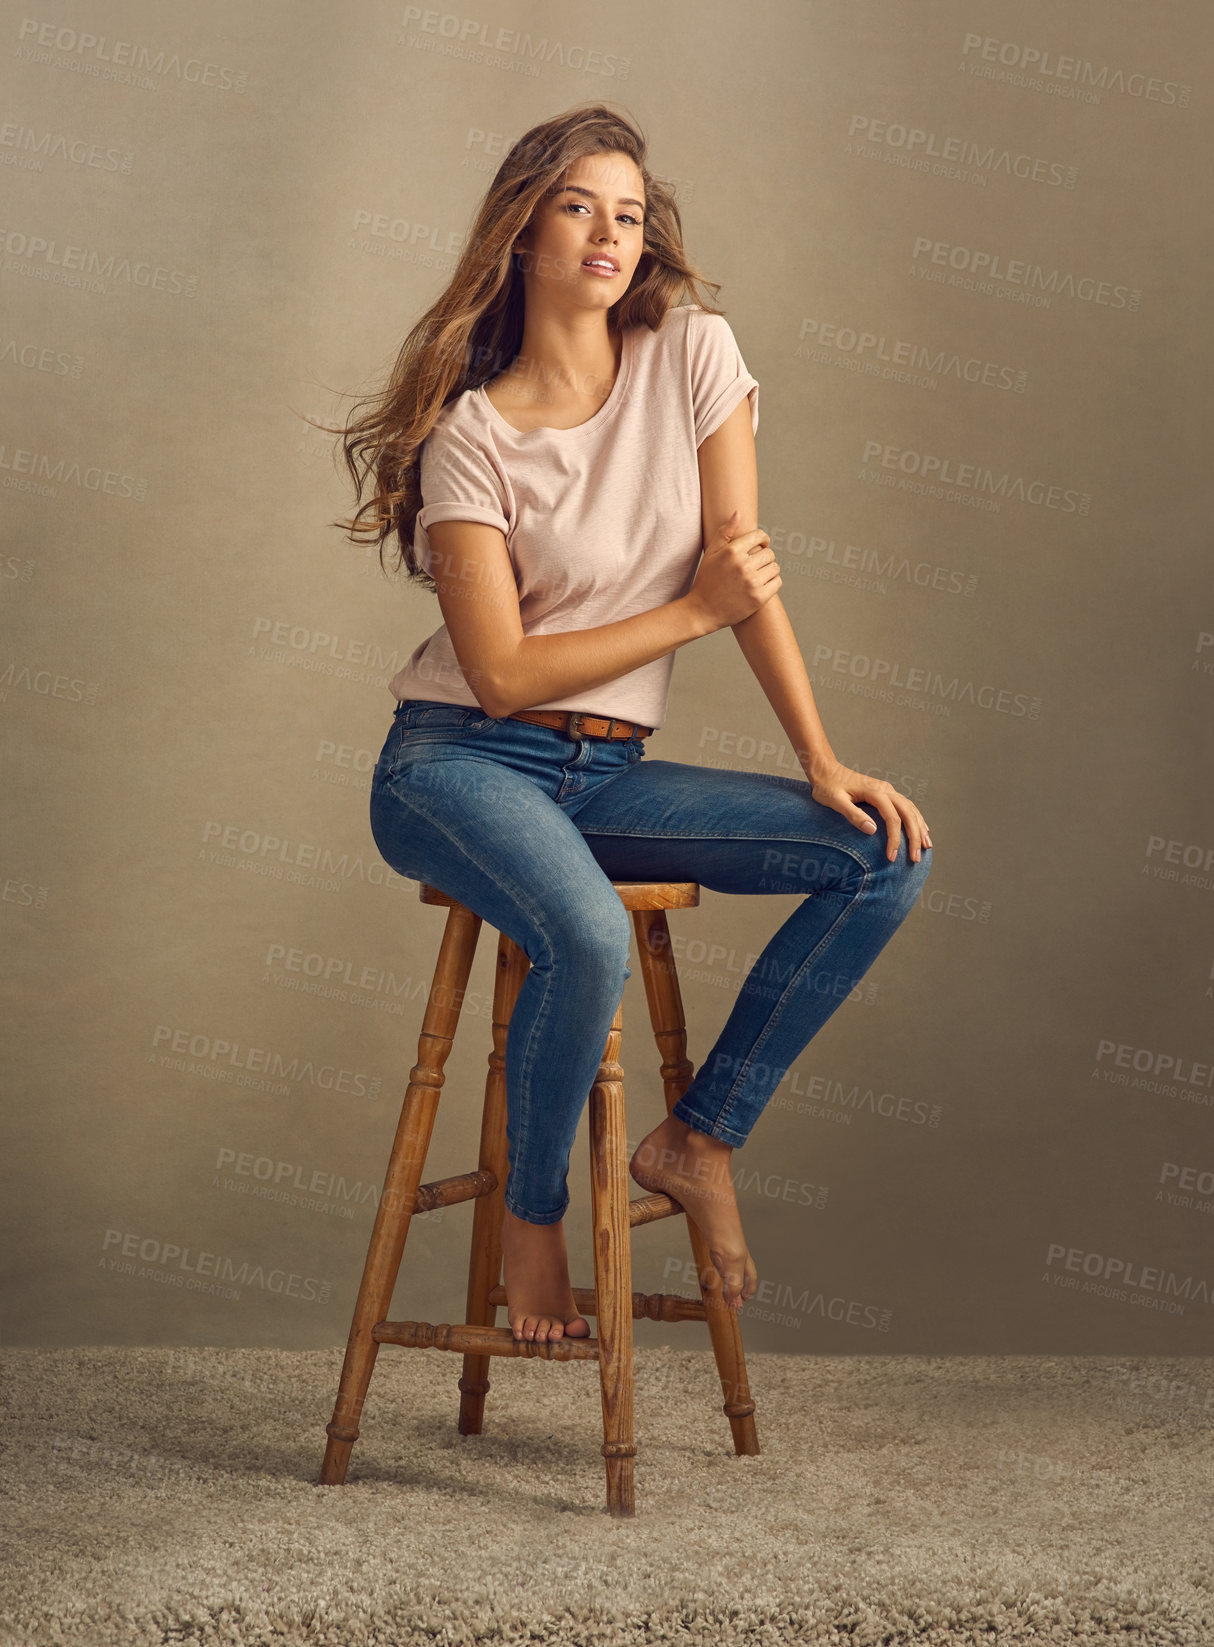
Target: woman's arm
[508,670]
[728,481]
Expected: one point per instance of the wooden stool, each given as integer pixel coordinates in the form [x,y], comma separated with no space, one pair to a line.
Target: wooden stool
[611,1299]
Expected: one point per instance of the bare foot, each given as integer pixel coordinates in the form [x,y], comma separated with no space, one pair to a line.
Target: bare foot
[540,1302]
[693,1169]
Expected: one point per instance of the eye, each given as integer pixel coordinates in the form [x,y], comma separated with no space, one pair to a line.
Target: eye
[580,205]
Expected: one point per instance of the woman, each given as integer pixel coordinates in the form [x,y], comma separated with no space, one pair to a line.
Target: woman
[566,454]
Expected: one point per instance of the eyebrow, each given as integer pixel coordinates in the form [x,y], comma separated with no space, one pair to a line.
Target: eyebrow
[577,188]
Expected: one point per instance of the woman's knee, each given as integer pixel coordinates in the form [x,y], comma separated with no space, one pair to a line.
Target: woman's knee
[900,880]
[896,878]
[592,935]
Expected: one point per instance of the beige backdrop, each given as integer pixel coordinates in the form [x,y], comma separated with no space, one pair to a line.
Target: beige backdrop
[958,249]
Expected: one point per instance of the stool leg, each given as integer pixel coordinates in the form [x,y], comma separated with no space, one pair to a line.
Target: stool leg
[404,1173]
[613,1272]
[670,1031]
[485,1265]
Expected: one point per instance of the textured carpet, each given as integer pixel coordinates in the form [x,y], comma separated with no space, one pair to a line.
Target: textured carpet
[155,1496]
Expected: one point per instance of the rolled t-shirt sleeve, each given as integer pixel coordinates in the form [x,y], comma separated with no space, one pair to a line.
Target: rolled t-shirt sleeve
[719,379]
[458,482]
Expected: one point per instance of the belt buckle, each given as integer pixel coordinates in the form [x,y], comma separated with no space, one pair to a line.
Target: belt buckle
[575,724]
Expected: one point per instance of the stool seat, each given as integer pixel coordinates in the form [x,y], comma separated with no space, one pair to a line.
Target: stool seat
[611,1300]
[632,894]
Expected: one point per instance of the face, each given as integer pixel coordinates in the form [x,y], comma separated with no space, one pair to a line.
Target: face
[596,211]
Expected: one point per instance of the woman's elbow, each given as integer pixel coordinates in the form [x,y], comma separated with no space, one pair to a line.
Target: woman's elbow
[490,692]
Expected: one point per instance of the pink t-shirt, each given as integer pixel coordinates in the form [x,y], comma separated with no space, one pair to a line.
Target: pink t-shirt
[603,520]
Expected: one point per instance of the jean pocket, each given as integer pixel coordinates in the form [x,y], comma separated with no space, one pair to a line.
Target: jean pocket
[448,723]
[442,718]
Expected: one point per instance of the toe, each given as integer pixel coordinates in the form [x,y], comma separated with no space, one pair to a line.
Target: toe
[735,1289]
[732,1273]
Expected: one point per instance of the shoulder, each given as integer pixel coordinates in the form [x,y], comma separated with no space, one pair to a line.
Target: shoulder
[718,375]
[708,333]
[699,323]
[695,338]
[690,343]
[683,323]
[459,460]
[460,430]
[461,418]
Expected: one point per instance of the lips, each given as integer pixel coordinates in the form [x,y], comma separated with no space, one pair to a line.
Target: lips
[597,261]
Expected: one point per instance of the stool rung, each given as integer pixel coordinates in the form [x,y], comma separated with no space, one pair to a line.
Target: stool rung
[647,1209]
[467,1339]
[646,1306]
[445,1192]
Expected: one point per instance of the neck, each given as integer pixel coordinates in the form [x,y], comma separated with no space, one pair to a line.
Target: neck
[568,356]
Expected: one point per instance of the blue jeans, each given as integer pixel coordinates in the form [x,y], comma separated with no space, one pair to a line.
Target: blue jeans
[529,827]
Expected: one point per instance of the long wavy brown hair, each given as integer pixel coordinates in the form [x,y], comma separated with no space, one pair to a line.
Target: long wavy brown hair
[475,329]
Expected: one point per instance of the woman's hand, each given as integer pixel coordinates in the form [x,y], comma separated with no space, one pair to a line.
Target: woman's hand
[736,575]
[842,788]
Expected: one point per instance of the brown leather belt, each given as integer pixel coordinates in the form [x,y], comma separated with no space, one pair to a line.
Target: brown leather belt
[576,723]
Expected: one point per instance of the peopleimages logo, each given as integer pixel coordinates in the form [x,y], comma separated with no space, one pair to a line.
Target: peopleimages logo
[24,470]
[33,147]
[938,472]
[75,265]
[222,1060]
[1149,1069]
[307,863]
[298,646]
[479,41]
[936,360]
[983,159]
[1106,1274]
[1165,860]
[39,357]
[202,1271]
[121,60]
[847,1311]
[1190,1182]
[1034,62]
[45,683]
[318,1181]
[969,265]
[886,677]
